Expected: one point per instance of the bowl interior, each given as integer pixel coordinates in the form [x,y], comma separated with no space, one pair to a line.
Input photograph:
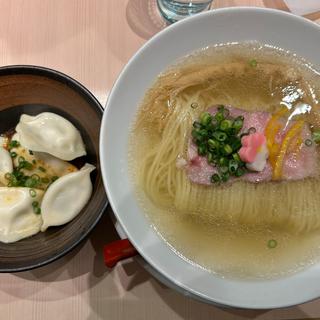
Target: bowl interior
[272,27]
[32,90]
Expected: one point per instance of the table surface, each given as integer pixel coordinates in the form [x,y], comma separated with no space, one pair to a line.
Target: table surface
[91,40]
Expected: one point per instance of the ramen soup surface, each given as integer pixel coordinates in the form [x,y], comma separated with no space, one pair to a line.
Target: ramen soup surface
[232,227]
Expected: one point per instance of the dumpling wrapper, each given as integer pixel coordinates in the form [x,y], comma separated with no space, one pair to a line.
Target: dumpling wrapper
[6,165]
[51,133]
[49,165]
[66,197]
[17,218]
[53,166]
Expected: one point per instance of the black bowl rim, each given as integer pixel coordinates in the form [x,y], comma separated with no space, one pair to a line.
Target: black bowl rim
[81,89]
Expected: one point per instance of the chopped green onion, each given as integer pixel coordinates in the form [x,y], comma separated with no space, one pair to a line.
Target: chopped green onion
[236,144]
[223,169]
[32,193]
[194,105]
[308,142]
[12,180]
[225,177]
[202,150]
[213,144]
[219,116]
[316,136]
[42,169]
[35,204]
[217,138]
[198,135]
[30,183]
[215,178]
[223,162]
[45,180]
[37,210]
[13,144]
[272,244]
[221,108]
[205,118]
[225,125]
[233,166]
[225,112]
[231,132]
[213,124]
[227,149]
[36,177]
[240,172]
[195,133]
[253,63]
[238,123]
[236,157]
[23,164]
[220,136]
[203,132]
[28,165]
[13,154]
[21,159]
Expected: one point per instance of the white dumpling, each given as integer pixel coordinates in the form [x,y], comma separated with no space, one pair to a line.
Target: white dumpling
[17,217]
[66,197]
[5,161]
[52,166]
[6,165]
[51,133]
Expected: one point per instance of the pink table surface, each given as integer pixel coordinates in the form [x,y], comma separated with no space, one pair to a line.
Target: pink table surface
[91,40]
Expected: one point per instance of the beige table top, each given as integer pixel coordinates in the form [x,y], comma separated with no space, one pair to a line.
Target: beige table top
[91,40]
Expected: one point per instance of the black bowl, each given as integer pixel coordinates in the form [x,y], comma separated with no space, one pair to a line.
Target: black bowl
[31,90]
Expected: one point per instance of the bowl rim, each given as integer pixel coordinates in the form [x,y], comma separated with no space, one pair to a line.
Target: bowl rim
[104,159]
[81,89]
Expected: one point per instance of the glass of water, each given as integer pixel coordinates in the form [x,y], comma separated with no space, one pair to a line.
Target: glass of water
[174,10]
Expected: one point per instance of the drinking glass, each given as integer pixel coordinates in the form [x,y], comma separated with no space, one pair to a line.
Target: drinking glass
[174,10]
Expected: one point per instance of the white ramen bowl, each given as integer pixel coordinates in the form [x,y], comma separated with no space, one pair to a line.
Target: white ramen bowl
[272,27]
